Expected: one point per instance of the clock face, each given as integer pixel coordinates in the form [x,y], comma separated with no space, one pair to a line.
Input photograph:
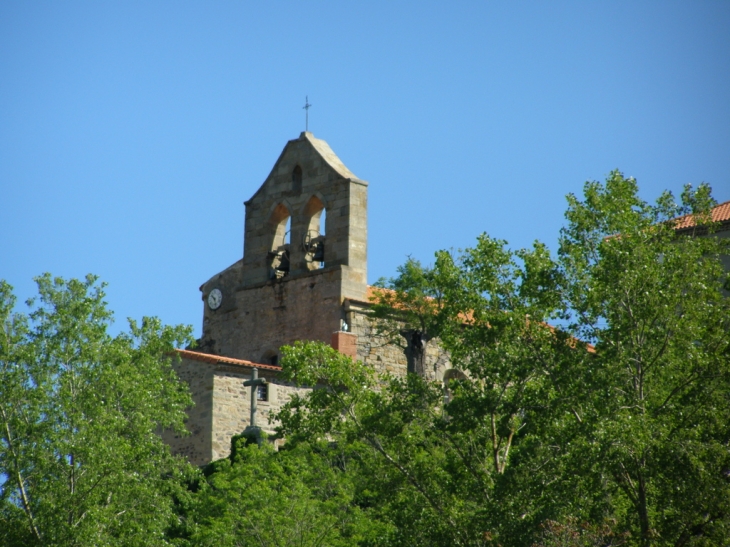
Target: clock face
[215,297]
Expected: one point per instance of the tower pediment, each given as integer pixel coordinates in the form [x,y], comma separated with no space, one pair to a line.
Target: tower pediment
[310,213]
[315,157]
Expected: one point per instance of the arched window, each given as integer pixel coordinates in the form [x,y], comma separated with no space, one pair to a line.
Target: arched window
[450,376]
[296,180]
[314,240]
[280,226]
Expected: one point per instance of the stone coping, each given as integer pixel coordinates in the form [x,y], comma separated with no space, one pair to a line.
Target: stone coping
[222,360]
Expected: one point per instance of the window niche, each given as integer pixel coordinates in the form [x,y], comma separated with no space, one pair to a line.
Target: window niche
[314,238]
[271,357]
[296,180]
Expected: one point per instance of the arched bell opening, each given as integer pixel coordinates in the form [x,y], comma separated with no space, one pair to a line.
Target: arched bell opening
[278,256]
[313,242]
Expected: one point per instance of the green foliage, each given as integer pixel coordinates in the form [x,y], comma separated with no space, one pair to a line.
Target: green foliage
[262,498]
[584,534]
[79,410]
[628,436]
[436,471]
[387,436]
[612,428]
[657,390]
[340,383]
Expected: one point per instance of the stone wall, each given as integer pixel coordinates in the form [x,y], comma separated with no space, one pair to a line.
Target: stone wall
[196,447]
[386,357]
[223,404]
[232,405]
[222,408]
[256,321]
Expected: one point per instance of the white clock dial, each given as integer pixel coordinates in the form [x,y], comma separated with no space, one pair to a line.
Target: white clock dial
[215,297]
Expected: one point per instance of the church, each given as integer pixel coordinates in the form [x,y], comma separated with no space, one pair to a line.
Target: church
[303,276]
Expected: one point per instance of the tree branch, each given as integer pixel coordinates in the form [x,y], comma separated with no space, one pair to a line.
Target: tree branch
[19,478]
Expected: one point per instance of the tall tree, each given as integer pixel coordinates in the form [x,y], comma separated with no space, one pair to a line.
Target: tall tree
[80,459]
[657,390]
[437,470]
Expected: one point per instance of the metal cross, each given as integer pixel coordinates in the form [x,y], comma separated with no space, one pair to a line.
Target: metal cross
[306,108]
[254,382]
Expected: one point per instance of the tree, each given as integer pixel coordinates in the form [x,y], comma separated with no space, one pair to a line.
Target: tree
[80,460]
[656,392]
[299,495]
[487,306]
[386,435]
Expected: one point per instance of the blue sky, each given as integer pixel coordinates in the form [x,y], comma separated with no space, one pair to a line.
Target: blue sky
[132,132]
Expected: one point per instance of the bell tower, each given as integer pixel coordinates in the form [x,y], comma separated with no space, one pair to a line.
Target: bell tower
[304,254]
[308,181]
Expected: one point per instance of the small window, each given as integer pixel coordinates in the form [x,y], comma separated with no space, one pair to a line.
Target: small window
[274,360]
[262,392]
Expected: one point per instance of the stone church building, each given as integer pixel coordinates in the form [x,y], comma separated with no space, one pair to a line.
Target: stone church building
[303,276]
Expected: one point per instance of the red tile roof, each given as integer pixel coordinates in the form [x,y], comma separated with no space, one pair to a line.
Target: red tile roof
[221,360]
[720,213]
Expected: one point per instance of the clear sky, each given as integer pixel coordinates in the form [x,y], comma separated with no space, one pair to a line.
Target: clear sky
[132,132]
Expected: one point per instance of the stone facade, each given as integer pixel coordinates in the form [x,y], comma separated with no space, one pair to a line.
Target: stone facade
[222,406]
[232,405]
[303,276]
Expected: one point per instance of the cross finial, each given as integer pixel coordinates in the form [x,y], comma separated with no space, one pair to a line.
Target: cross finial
[254,382]
[306,109]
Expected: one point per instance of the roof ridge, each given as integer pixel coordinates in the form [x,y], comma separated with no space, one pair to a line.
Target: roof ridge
[328,155]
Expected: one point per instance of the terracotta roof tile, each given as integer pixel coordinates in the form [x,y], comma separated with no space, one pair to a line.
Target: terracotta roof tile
[221,360]
[720,213]
[372,293]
